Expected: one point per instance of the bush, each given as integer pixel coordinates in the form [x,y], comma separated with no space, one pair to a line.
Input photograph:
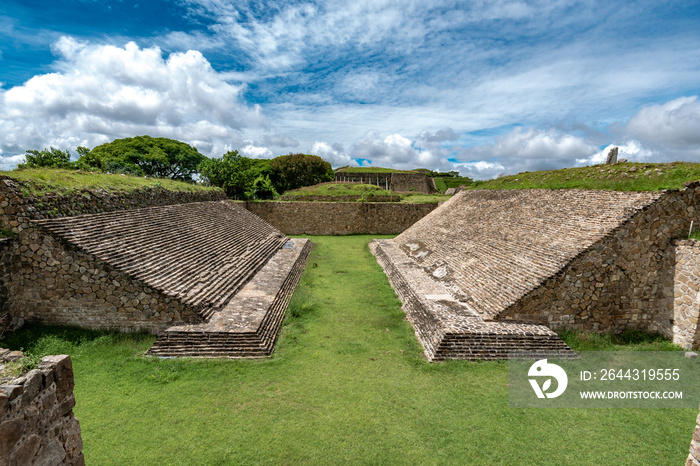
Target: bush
[297,170]
[46,158]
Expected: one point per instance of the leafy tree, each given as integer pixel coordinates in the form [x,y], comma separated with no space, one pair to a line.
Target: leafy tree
[297,170]
[50,158]
[232,173]
[262,188]
[145,156]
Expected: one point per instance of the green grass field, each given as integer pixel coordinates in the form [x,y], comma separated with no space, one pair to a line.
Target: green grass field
[42,181]
[618,177]
[346,385]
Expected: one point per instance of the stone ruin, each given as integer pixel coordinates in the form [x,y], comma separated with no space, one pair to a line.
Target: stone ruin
[37,424]
[211,278]
[495,271]
[394,181]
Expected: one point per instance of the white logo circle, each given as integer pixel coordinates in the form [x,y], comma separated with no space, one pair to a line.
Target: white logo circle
[542,368]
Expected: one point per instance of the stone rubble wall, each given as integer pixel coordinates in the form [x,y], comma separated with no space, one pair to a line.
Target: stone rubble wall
[17,210]
[623,281]
[36,269]
[397,181]
[339,218]
[6,246]
[55,283]
[686,294]
[412,182]
[346,198]
[37,424]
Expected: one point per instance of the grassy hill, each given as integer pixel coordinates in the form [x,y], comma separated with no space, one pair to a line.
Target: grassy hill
[371,170]
[41,181]
[363,192]
[619,177]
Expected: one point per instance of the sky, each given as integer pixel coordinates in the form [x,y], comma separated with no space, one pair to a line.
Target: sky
[484,87]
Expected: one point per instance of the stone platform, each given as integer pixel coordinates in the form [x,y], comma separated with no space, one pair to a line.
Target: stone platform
[450,329]
[210,278]
[248,325]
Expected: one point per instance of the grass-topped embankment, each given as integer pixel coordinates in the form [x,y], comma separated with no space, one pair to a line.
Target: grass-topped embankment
[357,192]
[371,170]
[618,177]
[337,190]
[346,385]
[41,181]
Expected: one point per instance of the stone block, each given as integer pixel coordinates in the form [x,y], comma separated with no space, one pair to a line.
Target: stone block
[63,374]
[10,433]
[53,454]
[24,454]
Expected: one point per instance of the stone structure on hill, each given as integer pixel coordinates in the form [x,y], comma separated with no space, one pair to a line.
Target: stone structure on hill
[213,268]
[490,269]
[394,181]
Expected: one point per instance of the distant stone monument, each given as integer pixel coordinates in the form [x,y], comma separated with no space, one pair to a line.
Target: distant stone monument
[612,156]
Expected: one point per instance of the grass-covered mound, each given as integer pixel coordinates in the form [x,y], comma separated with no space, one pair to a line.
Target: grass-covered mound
[346,385]
[618,177]
[371,170]
[41,181]
[360,192]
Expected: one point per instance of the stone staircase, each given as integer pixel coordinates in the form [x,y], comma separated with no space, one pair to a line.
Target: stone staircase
[450,329]
[235,270]
[200,253]
[233,332]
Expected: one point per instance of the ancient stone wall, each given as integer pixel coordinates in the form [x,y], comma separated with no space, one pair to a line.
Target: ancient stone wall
[383,180]
[339,218]
[369,197]
[686,293]
[55,283]
[410,182]
[6,246]
[625,280]
[18,209]
[37,425]
[396,181]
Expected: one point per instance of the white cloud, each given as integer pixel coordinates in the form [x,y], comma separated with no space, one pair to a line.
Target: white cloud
[333,154]
[481,170]
[633,151]
[255,152]
[674,125]
[280,141]
[10,162]
[531,149]
[102,92]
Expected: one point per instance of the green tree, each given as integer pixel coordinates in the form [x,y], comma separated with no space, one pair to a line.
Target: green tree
[50,158]
[297,170]
[262,188]
[144,156]
[231,173]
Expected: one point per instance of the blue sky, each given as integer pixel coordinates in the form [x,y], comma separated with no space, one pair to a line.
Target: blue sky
[484,87]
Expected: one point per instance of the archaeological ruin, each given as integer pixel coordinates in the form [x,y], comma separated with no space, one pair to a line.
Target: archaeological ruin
[495,271]
[486,273]
[393,181]
[210,278]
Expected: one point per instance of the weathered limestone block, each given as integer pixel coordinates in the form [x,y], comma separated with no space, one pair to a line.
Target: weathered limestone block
[37,425]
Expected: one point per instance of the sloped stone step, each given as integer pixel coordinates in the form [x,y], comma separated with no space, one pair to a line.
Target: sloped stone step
[233,333]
